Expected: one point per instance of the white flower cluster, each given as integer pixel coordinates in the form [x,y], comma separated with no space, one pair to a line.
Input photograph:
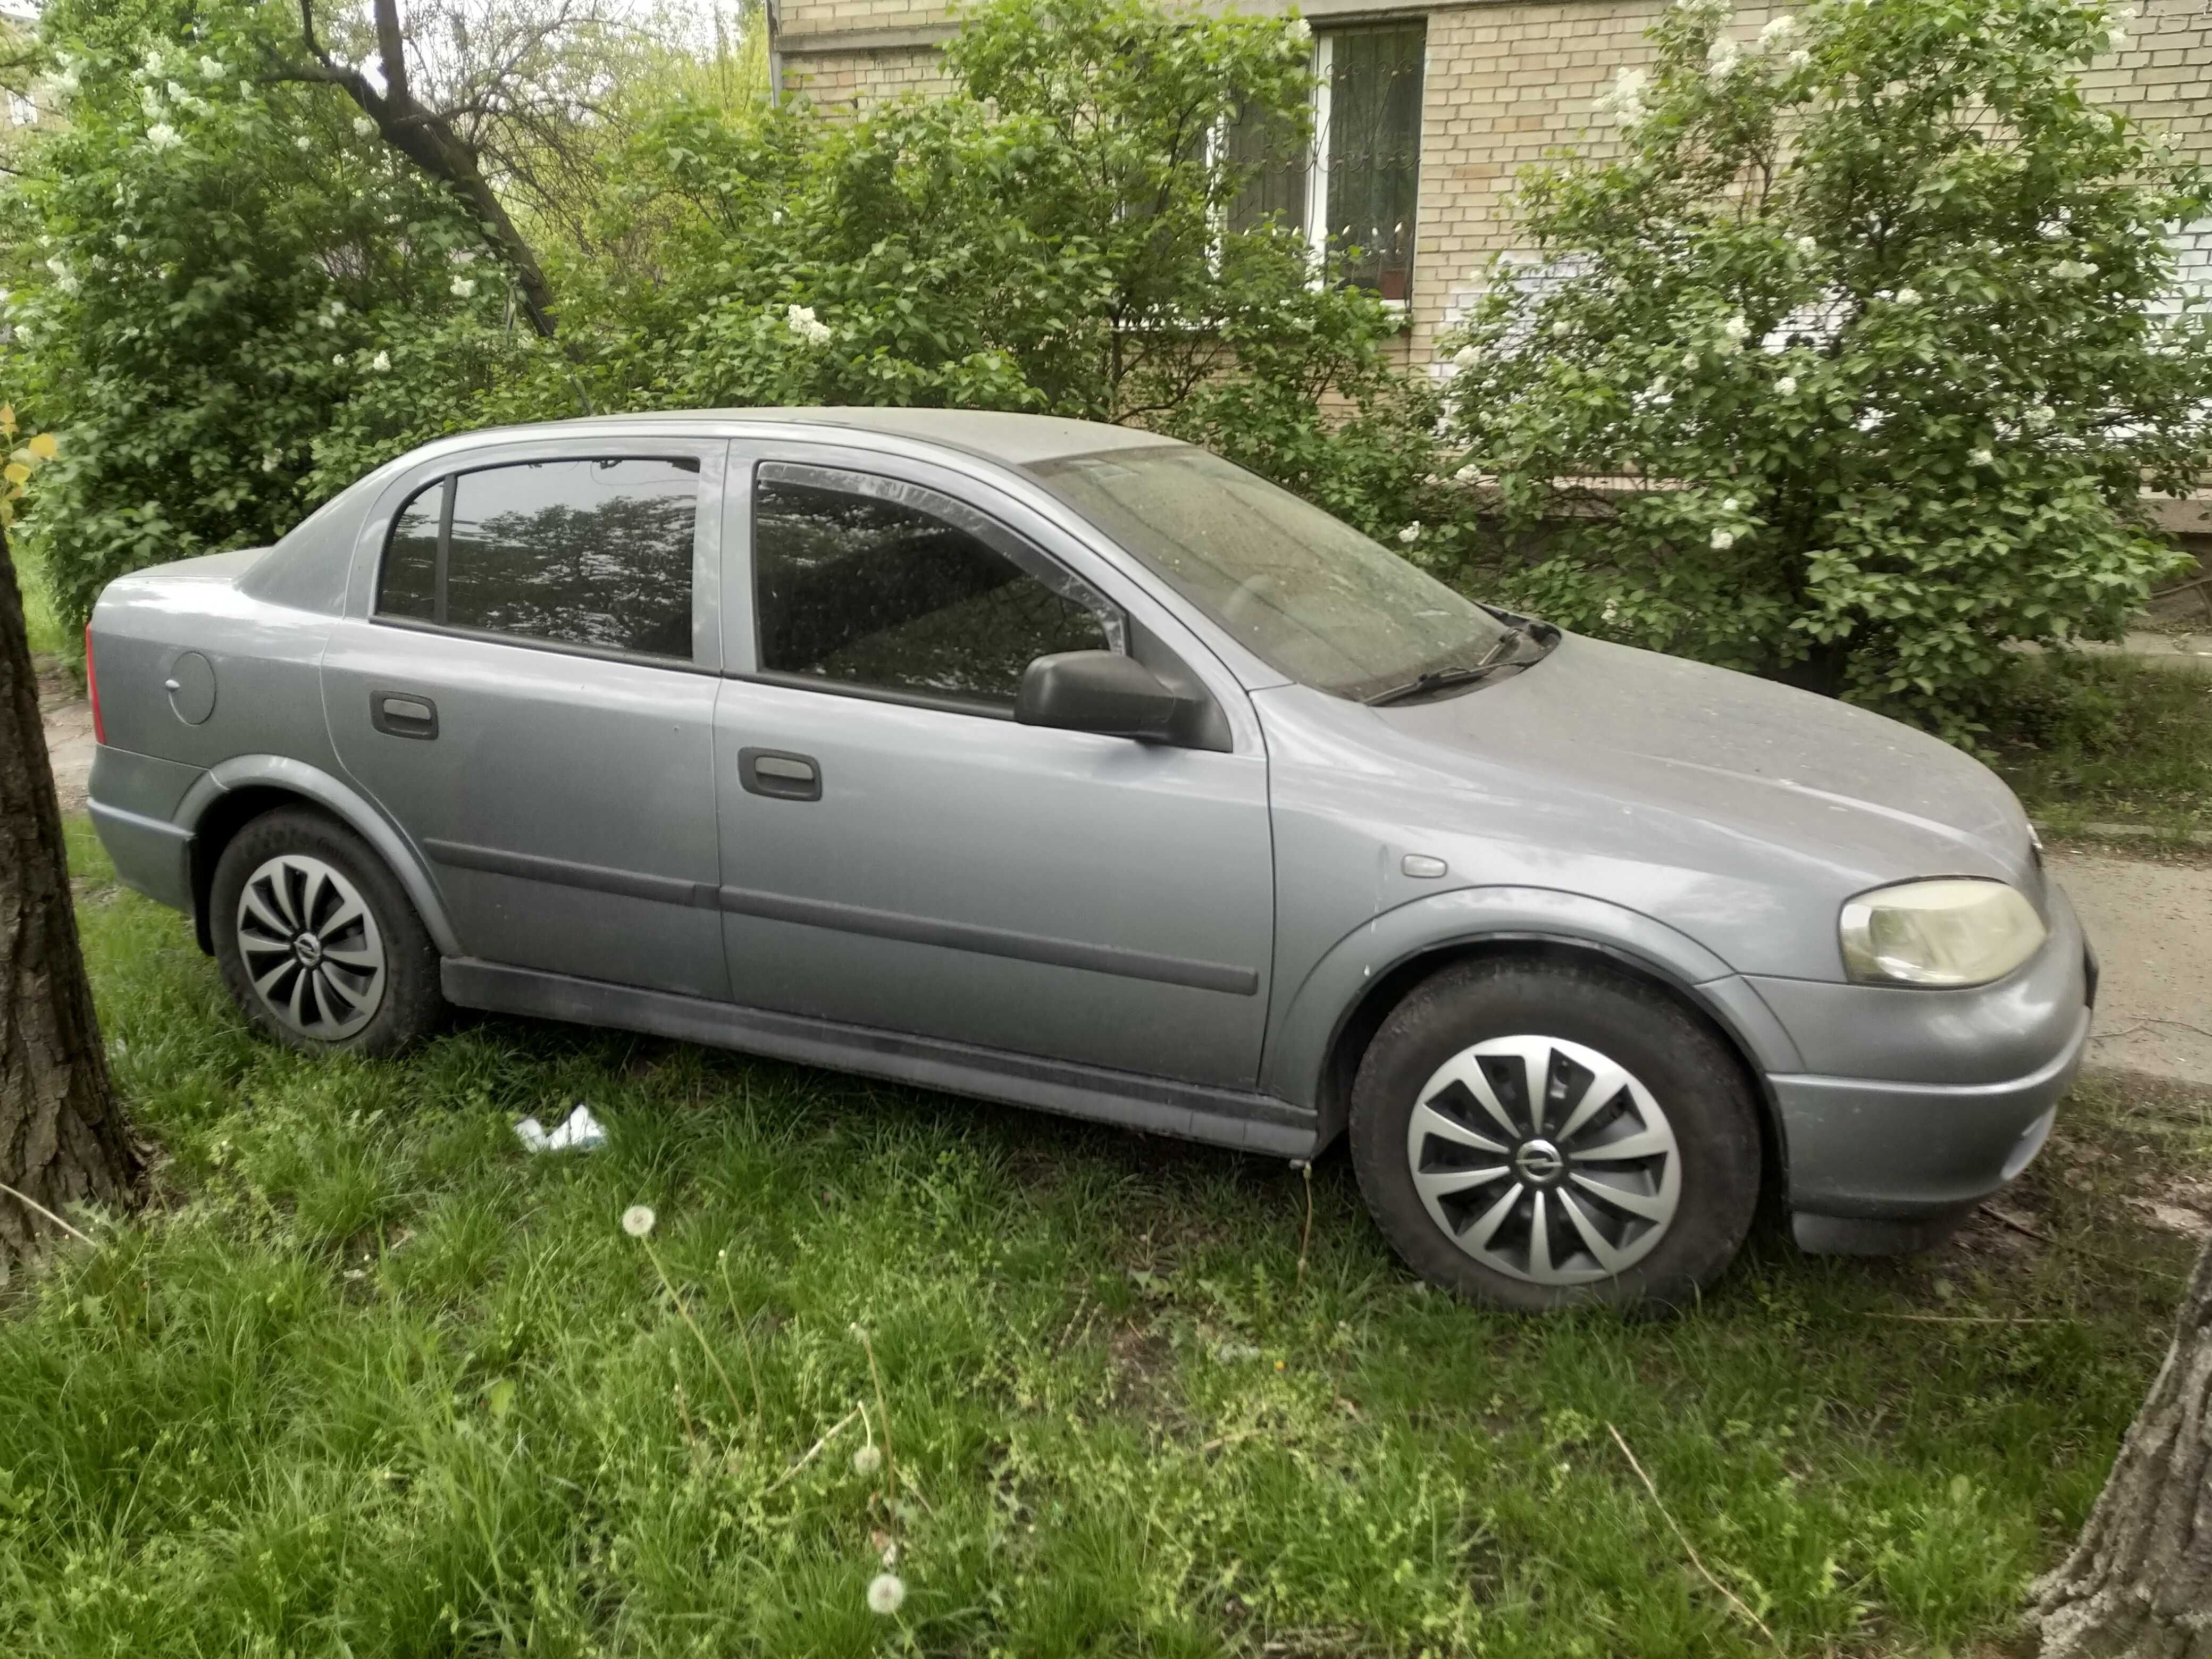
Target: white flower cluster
[802,321]
[1779,31]
[363,127]
[463,288]
[1299,33]
[64,279]
[1624,100]
[2072,271]
[1724,57]
[62,85]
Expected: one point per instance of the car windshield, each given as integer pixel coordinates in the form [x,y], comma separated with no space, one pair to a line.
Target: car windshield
[1309,595]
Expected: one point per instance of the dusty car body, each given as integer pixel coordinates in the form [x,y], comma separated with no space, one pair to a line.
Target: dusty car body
[733,727]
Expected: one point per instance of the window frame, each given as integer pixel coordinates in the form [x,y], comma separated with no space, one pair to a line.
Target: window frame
[710,457]
[1313,225]
[1001,538]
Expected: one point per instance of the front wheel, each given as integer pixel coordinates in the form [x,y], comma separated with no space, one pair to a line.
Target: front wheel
[317,941]
[1535,1135]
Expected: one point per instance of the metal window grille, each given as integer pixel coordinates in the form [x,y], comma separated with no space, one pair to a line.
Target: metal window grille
[1355,188]
[1373,157]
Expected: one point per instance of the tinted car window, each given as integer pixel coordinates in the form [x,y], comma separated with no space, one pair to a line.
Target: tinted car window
[585,552]
[408,585]
[581,552]
[855,586]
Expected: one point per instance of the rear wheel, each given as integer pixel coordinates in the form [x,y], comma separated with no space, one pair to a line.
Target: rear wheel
[317,941]
[1535,1135]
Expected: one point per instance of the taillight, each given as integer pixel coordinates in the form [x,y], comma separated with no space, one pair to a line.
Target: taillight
[92,689]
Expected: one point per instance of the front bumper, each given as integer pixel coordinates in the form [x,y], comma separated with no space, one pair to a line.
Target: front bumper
[1890,1156]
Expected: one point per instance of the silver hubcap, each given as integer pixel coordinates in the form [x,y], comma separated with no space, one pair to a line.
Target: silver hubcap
[1544,1160]
[310,947]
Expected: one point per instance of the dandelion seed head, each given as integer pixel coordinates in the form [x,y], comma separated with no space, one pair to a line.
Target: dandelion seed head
[868,1459]
[886,1594]
[637,1220]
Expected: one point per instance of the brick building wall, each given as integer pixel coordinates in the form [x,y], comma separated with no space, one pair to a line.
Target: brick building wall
[1504,84]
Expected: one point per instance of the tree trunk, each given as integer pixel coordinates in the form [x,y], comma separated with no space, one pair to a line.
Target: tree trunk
[2139,1582]
[63,1137]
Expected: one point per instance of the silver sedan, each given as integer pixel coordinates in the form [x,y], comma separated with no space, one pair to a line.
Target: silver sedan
[1068,765]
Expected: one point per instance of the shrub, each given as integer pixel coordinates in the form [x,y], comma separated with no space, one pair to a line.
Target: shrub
[1849,368]
[213,272]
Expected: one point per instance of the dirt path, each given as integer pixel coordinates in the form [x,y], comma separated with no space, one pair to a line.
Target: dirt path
[69,731]
[2152,926]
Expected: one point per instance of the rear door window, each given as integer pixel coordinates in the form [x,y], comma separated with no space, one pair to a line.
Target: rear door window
[596,553]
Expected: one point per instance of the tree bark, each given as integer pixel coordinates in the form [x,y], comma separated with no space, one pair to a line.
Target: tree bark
[63,1137]
[2139,1582]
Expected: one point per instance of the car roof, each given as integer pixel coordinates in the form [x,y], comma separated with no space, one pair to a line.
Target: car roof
[995,434]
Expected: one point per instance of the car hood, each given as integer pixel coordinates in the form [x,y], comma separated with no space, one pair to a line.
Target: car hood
[1755,761]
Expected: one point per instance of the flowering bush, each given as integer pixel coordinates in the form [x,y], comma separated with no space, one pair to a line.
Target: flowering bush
[1053,234]
[211,270]
[1849,368]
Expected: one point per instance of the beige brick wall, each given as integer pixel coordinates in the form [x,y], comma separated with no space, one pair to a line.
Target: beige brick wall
[1507,84]
[847,82]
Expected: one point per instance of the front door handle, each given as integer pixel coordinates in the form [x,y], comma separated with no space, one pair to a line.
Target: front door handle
[403,714]
[779,773]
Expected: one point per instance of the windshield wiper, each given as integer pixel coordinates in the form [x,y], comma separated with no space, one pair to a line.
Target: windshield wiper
[1437,679]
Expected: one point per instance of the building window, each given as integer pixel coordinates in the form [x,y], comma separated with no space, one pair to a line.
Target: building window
[1355,190]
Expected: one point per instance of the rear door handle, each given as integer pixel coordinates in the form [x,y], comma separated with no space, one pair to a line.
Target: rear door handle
[403,714]
[779,773]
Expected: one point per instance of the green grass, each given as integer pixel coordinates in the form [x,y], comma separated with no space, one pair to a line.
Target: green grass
[2088,739]
[370,1380]
[48,636]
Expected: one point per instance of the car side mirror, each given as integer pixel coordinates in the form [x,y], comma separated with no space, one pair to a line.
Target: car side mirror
[1100,691]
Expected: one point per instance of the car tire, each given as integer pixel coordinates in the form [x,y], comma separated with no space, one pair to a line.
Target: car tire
[1632,1188]
[317,941]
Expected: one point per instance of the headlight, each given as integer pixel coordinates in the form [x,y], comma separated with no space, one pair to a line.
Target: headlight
[1950,932]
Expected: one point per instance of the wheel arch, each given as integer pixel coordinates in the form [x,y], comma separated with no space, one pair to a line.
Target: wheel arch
[235,793]
[1353,988]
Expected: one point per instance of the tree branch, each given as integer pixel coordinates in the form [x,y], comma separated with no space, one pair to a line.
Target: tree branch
[426,137]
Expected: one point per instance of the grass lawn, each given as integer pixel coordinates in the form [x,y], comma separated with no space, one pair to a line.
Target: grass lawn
[48,636]
[370,1380]
[2109,738]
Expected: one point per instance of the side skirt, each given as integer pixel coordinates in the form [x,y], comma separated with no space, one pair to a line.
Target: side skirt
[1221,1117]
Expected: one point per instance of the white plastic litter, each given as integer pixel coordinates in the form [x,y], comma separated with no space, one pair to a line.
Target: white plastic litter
[579,1132]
